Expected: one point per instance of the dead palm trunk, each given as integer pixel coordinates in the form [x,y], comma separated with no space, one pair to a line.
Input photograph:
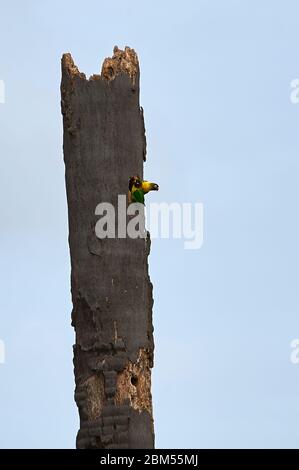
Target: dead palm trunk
[104,144]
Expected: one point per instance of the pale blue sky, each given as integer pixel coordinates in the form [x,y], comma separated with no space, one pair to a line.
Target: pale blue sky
[221,130]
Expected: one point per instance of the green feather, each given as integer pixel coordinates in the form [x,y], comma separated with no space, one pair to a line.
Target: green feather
[138,196]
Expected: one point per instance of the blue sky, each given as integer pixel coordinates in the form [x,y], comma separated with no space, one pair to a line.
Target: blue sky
[221,130]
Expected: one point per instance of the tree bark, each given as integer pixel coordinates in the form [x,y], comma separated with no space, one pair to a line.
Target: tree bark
[104,144]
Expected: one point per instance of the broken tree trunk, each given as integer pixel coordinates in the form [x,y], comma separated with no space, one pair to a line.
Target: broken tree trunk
[104,144]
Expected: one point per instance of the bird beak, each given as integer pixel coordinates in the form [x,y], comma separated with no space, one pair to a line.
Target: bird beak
[148,186]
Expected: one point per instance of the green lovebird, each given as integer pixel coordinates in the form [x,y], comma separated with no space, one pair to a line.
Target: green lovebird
[138,188]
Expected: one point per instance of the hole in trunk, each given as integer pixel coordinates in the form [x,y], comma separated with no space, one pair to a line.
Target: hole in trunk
[134,380]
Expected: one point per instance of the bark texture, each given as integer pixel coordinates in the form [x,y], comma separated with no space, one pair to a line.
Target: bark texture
[104,144]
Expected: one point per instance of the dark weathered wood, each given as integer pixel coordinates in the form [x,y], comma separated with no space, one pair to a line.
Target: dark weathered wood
[104,144]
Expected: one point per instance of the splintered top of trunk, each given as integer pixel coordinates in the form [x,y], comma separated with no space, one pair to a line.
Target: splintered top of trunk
[121,62]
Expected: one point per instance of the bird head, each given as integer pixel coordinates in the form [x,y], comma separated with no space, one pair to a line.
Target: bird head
[135,182]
